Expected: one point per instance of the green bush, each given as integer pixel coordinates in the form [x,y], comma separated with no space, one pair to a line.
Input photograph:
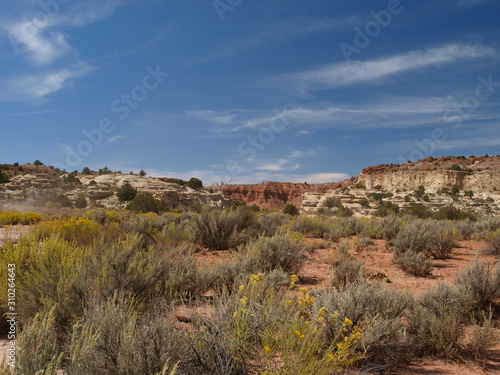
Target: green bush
[195,183]
[80,202]
[145,202]
[415,236]
[332,202]
[71,179]
[290,209]
[450,212]
[344,211]
[126,193]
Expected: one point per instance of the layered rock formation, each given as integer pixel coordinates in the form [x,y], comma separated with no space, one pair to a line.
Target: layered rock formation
[274,195]
[99,190]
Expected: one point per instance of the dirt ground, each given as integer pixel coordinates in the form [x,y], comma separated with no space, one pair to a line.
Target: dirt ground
[378,260]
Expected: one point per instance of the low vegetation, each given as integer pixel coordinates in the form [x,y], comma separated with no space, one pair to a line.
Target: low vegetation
[124,292]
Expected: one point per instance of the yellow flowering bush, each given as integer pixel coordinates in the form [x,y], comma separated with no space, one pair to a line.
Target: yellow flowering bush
[14,218]
[79,230]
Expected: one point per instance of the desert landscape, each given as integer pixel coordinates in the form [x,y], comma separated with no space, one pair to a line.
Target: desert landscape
[393,271]
[235,187]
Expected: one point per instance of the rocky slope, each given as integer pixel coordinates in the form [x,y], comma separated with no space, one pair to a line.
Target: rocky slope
[471,184]
[478,174]
[27,189]
[274,195]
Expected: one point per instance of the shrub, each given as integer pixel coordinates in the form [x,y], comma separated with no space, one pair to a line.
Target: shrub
[477,286]
[281,252]
[347,271]
[344,211]
[420,211]
[465,229]
[484,337]
[80,202]
[493,241]
[435,334]
[142,173]
[372,306]
[414,263]
[332,202]
[415,236]
[443,241]
[450,212]
[194,183]
[361,243]
[145,202]
[3,178]
[270,224]
[311,226]
[386,209]
[221,230]
[126,193]
[39,348]
[345,268]
[71,178]
[365,203]
[290,209]
[391,226]
[10,218]
[30,218]
[128,344]
[258,329]
[86,171]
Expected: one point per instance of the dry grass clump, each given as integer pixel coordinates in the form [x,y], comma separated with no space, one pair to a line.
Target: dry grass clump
[222,230]
[346,269]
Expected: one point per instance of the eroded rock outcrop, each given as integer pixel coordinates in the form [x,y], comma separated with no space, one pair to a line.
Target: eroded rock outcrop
[274,195]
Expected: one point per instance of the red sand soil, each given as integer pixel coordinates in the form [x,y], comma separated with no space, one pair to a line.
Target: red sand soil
[378,260]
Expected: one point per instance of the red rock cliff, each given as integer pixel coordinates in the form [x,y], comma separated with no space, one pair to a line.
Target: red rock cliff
[274,195]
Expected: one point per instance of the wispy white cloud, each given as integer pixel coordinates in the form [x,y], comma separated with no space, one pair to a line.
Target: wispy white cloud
[115,138]
[39,34]
[212,117]
[288,163]
[291,28]
[469,143]
[41,45]
[357,72]
[41,85]
[388,112]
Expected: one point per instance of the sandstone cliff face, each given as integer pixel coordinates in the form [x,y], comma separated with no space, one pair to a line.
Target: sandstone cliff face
[479,174]
[24,190]
[274,195]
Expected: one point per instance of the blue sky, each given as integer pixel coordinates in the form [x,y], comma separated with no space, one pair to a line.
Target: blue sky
[247,91]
